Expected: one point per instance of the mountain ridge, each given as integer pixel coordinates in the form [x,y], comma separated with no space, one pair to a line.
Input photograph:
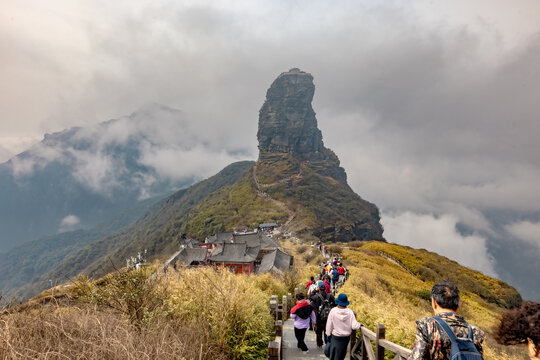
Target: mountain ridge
[90,174]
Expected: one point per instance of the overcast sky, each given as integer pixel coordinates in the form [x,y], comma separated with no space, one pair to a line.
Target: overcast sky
[431,106]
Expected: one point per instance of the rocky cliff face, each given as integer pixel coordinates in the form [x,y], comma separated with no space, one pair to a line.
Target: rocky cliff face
[297,168]
[287,121]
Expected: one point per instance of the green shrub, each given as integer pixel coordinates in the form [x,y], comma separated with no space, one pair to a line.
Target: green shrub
[132,293]
[424,294]
[232,311]
[334,249]
[313,257]
[270,284]
[291,279]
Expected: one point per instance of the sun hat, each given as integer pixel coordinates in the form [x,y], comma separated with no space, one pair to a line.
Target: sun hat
[342,300]
[322,286]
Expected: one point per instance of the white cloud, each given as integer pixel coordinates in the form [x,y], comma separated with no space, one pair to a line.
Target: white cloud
[100,172]
[526,231]
[5,154]
[69,223]
[179,164]
[439,234]
[37,157]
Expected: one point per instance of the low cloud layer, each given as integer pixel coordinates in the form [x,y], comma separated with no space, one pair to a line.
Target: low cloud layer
[439,234]
[154,144]
[526,231]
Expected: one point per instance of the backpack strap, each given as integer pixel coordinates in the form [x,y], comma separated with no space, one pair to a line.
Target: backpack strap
[447,329]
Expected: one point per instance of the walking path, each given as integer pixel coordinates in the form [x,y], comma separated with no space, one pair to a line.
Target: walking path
[266,196]
[290,351]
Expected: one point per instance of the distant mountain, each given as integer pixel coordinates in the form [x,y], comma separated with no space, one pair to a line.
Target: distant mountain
[157,230]
[81,177]
[20,265]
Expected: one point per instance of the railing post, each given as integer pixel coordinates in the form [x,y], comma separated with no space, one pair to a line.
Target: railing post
[285,313]
[273,306]
[301,288]
[381,333]
[279,315]
[289,301]
[279,327]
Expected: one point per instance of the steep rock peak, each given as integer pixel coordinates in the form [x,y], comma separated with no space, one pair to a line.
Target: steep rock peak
[287,121]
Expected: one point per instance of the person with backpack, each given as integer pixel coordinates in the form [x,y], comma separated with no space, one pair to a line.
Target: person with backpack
[323,302]
[446,335]
[339,326]
[302,313]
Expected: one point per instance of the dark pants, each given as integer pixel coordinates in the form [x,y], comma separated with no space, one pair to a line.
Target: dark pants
[338,347]
[300,335]
[320,332]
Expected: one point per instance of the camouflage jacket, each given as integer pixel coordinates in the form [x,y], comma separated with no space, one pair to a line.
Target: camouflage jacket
[432,343]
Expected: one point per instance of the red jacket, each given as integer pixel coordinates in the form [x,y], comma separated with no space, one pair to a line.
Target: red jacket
[309,284]
[303,309]
[327,287]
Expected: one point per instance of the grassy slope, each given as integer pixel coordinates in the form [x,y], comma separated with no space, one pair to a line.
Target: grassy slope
[232,206]
[157,231]
[381,292]
[323,203]
[190,314]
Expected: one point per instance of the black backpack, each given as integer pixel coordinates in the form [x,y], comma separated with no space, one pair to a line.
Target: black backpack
[462,348]
[324,308]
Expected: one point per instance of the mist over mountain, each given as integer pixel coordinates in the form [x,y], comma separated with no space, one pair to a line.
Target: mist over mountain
[82,176]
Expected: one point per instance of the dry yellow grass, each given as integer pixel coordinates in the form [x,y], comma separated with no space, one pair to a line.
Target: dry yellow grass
[191,314]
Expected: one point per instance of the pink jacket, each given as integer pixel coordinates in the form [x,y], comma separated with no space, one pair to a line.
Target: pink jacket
[341,322]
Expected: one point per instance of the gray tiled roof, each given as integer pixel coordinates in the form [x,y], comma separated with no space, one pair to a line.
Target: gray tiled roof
[187,256]
[220,237]
[276,260]
[256,239]
[235,253]
[268,225]
[268,242]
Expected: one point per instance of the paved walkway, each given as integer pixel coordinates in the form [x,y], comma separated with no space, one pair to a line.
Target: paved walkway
[290,351]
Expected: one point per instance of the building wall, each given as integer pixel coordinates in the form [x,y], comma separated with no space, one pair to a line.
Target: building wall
[237,268]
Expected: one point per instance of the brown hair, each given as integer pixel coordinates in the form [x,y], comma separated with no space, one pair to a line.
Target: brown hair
[519,324]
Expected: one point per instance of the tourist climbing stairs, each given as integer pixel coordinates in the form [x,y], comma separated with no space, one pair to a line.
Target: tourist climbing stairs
[365,344]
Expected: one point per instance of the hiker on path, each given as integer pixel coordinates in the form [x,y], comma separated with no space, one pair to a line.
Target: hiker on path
[327,285]
[339,326]
[312,288]
[520,326]
[342,273]
[335,276]
[302,313]
[310,282]
[433,341]
[323,303]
